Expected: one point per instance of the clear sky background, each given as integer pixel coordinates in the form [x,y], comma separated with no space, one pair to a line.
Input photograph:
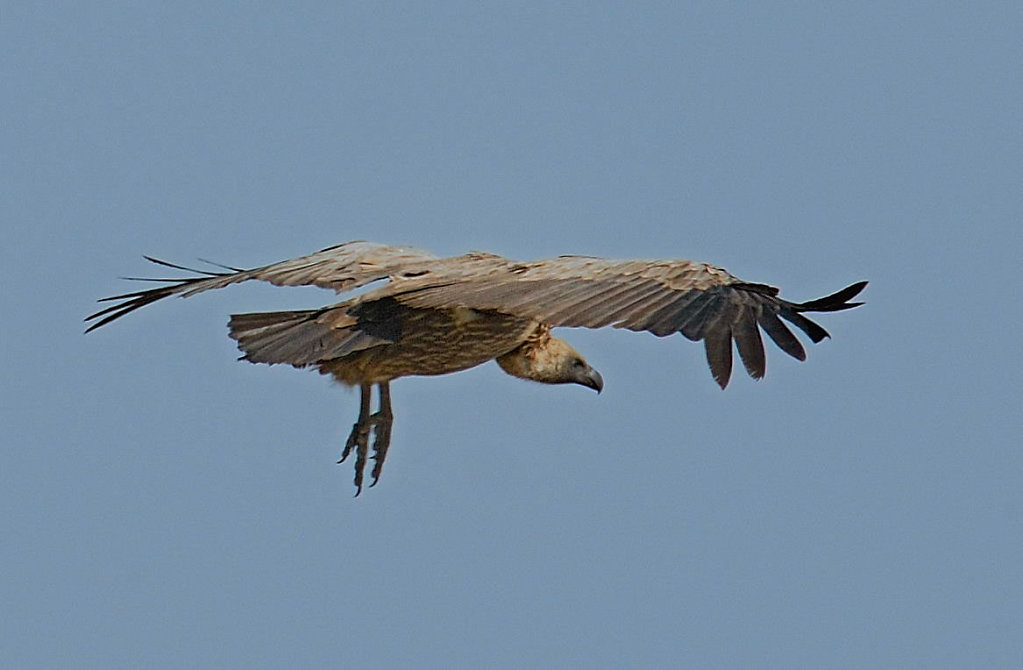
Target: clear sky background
[166,506]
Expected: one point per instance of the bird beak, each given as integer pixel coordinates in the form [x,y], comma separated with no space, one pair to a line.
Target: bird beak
[593,380]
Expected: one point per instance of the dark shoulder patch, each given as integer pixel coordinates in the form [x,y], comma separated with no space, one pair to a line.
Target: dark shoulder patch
[380,318]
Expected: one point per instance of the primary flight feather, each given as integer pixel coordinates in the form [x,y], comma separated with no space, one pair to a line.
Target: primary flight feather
[439,315]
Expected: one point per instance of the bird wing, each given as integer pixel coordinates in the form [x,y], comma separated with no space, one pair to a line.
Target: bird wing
[342,267]
[700,301]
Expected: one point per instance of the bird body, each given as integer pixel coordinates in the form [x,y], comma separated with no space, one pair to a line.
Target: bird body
[435,316]
[436,342]
[425,342]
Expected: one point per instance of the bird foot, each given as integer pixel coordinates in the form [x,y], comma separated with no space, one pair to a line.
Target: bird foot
[379,423]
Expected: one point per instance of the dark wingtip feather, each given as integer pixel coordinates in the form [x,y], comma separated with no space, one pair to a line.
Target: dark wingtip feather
[182,267]
[836,301]
[748,341]
[781,335]
[132,301]
[813,330]
[215,264]
[718,347]
[129,302]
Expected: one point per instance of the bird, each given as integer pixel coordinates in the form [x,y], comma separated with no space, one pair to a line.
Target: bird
[433,315]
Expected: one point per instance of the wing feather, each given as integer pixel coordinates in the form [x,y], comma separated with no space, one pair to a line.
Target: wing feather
[638,301]
[657,317]
[697,314]
[781,335]
[342,267]
[557,299]
[717,343]
[815,332]
[595,307]
[748,341]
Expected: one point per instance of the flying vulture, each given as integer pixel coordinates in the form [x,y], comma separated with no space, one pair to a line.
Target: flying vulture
[436,315]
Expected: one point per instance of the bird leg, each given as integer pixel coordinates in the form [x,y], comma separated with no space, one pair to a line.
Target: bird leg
[383,420]
[380,423]
[359,437]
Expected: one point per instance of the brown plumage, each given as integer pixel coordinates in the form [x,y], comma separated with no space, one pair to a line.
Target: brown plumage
[435,315]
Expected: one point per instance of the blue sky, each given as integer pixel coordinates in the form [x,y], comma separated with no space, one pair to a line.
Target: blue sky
[167,506]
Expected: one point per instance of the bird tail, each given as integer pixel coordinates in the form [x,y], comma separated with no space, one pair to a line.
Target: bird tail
[299,338]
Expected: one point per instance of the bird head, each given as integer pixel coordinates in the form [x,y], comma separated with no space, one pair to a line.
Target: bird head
[552,361]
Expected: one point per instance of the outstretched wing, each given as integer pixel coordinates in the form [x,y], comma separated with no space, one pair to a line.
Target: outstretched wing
[700,301]
[342,267]
[662,297]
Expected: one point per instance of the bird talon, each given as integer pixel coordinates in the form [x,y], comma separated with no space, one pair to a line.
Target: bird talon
[353,439]
[382,422]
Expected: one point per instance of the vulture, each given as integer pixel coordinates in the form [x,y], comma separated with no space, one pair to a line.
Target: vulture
[433,316]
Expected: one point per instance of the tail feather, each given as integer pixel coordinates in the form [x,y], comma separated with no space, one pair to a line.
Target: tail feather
[299,338]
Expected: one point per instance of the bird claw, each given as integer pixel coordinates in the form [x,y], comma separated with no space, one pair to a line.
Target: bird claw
[353,440]
[381,441]
[379,424]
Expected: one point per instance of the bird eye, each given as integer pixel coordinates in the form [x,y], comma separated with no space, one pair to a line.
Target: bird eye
[578,363]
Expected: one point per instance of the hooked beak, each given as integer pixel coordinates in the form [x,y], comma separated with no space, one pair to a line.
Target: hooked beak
[592,379]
